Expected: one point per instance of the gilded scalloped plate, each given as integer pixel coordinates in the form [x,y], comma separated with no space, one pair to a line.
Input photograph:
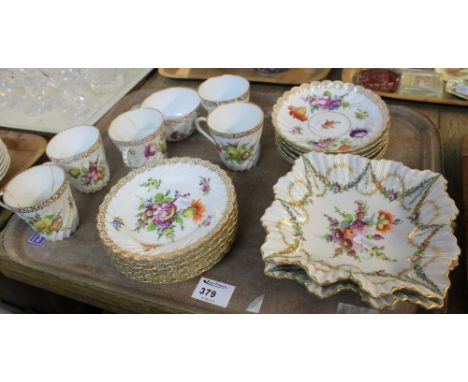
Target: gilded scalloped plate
[332,117]
[166,209]
[291,272]
[378,223]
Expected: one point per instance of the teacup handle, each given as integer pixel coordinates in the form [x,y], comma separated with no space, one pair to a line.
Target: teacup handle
[125,157]
[198,122]
[3,204]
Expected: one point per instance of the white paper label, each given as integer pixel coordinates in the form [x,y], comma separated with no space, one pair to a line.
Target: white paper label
[462,89]
[213,292]
[366,243]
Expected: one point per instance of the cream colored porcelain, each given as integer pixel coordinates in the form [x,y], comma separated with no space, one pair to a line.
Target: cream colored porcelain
[376,222]
[235,129]
[166,209]
[41,196]
[80,152]
[223,89]
[140,136]
[180,107]
[332,117]
[5,159]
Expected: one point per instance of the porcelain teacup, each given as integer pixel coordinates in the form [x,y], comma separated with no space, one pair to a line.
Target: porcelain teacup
[42,197]
[180,107]
[140,136]
[235,129]
[80,152]
[223,89]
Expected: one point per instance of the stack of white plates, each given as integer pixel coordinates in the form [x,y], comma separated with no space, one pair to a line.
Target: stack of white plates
[331,117]
[169,221]
[4,160]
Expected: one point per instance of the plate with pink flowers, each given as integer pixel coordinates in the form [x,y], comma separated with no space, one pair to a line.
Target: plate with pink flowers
[331,117]
[167,209]
[377,223]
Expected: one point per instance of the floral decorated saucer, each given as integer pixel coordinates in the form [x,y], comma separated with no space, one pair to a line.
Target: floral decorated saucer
[167,209]
[377,223]
[332,117]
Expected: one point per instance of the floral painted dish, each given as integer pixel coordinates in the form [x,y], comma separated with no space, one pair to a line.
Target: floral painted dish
[166,209]
[376,151]
[291,272]
[192,266]
[378,223]
[364,152]
[332,117]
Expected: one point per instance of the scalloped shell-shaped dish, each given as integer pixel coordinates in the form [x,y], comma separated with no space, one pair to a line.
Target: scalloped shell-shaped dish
[377,223]
[167,209]
[385,302]
[332,117]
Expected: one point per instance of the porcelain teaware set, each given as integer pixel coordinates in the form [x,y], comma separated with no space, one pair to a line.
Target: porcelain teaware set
[42,195]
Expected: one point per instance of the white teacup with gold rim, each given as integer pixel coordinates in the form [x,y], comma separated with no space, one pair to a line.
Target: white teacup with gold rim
[80,153]
[139,135]
[223,89]
[235,129]
[42,197]
[180,107]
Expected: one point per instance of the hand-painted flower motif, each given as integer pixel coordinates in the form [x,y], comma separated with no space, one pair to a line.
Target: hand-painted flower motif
[204,184]
[296,130]
[195,211]
[236,152]
[328,124]
[326,102]
[361,114]
[299,113]
[91,175]
[348,233]
[385,221]
[151,183]
[117,223]
[358,132]
[322,144]
[163,212]
[343,147]
[149,150]
[47,225]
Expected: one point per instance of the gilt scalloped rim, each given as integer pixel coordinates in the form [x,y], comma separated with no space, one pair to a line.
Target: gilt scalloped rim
[323,188]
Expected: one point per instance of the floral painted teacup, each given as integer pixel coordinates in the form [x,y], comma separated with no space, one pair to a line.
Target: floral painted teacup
[223,89]
[235,129]
[80,153]
[42,197]
[139,135]
[180,107]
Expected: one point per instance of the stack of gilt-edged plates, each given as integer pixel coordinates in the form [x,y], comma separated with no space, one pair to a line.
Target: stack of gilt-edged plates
[331,117]
[5,160]
[377,227]
[170,220]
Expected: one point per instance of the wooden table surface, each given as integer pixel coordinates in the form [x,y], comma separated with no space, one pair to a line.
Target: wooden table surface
[453,124]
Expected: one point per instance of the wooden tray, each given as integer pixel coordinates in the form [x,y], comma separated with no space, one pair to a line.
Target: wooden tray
[290,77]
[79,268]
[348,75]
[54,122]
[24,149]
